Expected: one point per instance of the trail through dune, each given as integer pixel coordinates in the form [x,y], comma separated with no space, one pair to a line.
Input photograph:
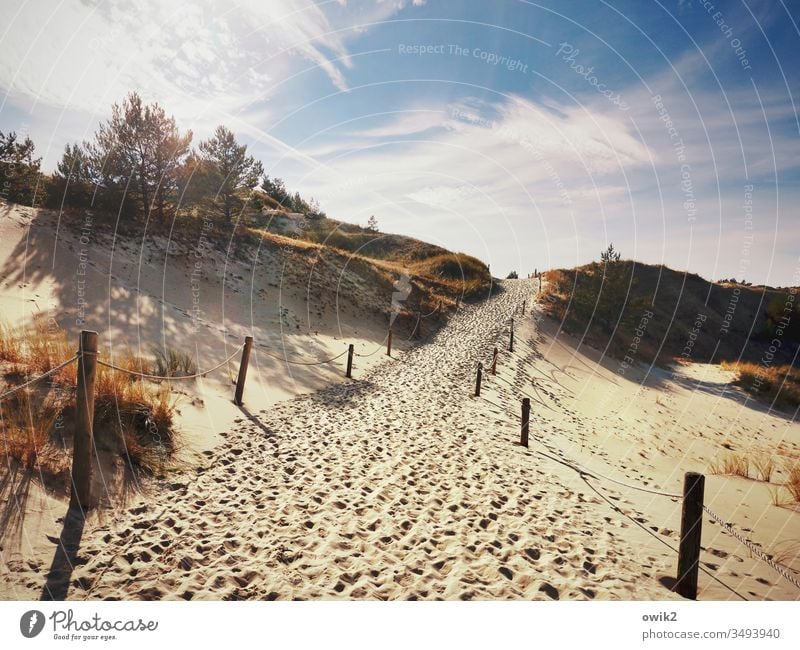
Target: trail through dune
[398,485]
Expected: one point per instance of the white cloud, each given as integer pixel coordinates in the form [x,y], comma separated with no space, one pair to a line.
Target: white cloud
[480,177]
[195,57]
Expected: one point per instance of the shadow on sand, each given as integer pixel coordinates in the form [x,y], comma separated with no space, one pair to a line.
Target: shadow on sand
[59,577]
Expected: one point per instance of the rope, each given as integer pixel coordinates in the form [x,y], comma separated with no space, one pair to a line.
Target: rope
[305,363]
[144,375]
[599,476]
[752,548]
[580,469]
[615,507]
[364,356]
[40,377]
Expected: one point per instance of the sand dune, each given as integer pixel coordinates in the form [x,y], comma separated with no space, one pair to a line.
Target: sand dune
[402,485]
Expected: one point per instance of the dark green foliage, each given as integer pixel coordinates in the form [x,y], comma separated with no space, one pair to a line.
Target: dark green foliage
[692,319]
[782,318]
[140,148]
[20,178]
[275,188]
[610,255]
[230,168]
[72,183]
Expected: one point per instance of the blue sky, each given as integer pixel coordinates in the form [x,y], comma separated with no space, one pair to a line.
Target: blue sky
[530,134]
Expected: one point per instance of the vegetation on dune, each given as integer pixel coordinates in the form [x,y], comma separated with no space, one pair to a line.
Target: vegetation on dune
[793,481]
[172,363]
[436,276]
[653,314]
[133,418]
[141,171]
[782,472]
[778,385]
[20,176]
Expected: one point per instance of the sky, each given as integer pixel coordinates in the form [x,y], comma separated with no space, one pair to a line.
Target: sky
[529,134]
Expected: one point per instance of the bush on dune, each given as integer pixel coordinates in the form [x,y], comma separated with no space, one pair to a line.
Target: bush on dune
[132,417]
[779,385]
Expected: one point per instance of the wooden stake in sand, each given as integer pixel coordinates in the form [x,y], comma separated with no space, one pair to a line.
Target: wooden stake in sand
[494,362]
[511,341]
[248,344]
[389,345]
[478,380]
[526,419]
[350,350]
[691,528]
[84,422]
[524,305]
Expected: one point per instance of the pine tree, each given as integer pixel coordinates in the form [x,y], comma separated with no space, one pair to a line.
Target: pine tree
[234,169]
[19,171]
[610,255]
[71,184]
[142,149]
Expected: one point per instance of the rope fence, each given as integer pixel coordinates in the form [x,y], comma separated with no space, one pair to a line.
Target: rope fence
[144,375]
[88,360]
[303,363]
[692,498]
[752,547]
[52,371]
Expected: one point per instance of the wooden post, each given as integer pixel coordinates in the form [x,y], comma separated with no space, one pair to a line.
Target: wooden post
[248,344]
[84,422]
[524,305]
[389,345]
[350,351]
[478,380]
[526,418]
[494,362]
[511,341]
[691,528]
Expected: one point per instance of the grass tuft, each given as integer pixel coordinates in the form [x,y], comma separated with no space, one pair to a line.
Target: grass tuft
[780,385]
[732,464]
[173,363]
[793,480]
[764,465]
[132,418]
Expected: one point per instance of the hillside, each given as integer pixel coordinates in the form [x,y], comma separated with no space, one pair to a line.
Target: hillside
[662,315]
[187,294]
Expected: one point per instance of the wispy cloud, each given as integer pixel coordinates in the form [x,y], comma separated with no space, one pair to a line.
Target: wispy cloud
[195,57]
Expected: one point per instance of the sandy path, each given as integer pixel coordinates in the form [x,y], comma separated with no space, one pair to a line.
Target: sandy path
[396,486]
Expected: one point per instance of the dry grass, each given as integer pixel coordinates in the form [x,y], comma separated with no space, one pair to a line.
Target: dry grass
[27,421]
[732,464]
[172,363]
[779,385]
[34,350]
[793,480]
[764,465]
[133,418]
[445,276]
[775,496]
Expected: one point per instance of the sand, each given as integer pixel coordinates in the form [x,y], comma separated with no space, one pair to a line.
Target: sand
[401,484]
